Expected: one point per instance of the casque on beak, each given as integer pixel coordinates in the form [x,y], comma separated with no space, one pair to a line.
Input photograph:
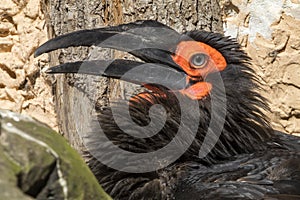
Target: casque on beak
[151,41]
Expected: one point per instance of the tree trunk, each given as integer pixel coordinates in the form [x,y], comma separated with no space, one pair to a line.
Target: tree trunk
[72,92]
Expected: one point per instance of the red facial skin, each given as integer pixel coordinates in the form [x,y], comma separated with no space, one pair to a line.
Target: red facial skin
[215,62]
[185,50]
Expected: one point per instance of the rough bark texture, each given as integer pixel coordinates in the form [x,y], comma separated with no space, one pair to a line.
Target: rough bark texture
[73,91]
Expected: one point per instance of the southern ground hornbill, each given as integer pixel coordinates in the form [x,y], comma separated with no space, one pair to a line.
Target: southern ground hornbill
[219,142]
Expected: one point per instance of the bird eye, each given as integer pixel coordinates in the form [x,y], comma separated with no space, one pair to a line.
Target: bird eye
[198,60]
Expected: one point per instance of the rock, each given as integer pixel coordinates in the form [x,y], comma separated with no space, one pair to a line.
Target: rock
[38,163]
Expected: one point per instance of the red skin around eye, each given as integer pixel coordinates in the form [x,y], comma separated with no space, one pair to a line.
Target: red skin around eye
[185,50]
[216,62]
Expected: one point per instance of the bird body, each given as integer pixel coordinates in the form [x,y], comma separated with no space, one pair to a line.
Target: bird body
[244,158]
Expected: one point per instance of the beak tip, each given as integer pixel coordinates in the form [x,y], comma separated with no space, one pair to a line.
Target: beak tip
[37,53]
[49,71]
[53,70]
[44,48]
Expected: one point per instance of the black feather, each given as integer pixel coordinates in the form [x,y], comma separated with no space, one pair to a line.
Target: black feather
[249,160]
[240,164]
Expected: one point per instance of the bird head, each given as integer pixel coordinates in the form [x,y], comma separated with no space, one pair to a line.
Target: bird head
[180,62]
[186,63]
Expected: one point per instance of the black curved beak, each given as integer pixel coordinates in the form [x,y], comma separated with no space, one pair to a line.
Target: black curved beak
[150,41]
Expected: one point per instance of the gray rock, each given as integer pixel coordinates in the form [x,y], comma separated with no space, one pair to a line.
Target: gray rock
[37,163]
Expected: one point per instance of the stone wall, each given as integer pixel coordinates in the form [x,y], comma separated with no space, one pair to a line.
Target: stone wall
[270,33]
[268,30]
[23,86]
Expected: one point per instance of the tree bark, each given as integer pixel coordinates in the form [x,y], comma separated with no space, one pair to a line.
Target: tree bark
[65,16]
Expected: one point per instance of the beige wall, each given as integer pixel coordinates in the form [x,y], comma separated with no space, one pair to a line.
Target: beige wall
[269,31]
[23,87]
